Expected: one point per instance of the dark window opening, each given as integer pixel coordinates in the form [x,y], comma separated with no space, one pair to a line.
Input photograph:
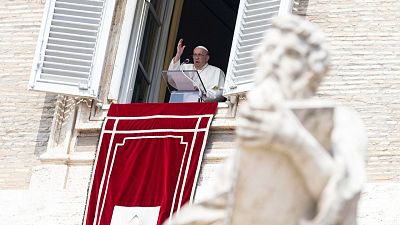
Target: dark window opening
[210,23]
[202,22]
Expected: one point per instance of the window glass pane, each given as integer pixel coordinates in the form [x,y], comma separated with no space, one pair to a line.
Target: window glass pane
[141,88]
[157,5]
[149,44]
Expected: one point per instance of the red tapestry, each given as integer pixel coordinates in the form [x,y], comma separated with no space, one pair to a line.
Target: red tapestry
[148,161]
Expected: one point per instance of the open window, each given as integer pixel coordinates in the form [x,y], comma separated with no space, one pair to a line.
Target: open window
[210,23]
[230,29]
[153,42]
[140,78]
[74,36]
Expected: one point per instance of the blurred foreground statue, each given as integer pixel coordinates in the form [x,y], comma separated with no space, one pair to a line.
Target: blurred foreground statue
[300,160]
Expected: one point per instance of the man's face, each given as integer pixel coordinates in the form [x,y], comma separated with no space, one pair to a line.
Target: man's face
[200,57]
[285,57]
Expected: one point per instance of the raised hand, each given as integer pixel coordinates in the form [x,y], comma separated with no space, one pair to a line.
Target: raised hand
[179,50]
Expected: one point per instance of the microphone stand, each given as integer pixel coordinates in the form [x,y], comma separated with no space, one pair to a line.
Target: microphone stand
[195,84]
[202,84]
[180,68]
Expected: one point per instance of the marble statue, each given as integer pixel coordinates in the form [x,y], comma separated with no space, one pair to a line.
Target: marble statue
[300,160]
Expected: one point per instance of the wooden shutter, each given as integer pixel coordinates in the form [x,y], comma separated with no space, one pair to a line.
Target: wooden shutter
[71,46]
[253,20]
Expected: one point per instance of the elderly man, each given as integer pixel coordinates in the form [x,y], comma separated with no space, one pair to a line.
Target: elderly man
[212,77]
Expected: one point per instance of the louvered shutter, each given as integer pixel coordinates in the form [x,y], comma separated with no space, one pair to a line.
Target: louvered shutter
[253,20]
[71,47]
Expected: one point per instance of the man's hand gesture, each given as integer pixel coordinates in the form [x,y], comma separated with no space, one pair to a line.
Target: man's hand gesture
[179,50]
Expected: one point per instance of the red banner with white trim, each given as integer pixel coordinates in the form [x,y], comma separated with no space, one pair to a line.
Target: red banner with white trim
[147,162]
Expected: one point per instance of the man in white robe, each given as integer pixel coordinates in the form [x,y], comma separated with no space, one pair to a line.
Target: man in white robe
[212,77]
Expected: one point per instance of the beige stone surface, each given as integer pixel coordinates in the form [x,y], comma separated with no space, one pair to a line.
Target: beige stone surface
[380,204]
[364,46]
[41,207]
[25,116]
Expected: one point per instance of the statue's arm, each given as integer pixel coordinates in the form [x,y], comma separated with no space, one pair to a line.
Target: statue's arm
[350,143]
[338,202]
[312,160]
[280,130]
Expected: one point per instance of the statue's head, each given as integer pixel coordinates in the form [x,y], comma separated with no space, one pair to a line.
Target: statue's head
[294,55]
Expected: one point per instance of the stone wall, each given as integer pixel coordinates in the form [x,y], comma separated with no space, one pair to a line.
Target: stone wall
[364,38]
[25,116]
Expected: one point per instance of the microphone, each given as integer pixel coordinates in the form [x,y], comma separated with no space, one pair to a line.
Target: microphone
[185,62]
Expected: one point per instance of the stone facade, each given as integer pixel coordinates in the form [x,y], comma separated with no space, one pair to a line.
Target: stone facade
[365,48]
[25,116]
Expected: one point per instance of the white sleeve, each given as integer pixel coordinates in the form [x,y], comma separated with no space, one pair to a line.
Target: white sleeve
[174,66]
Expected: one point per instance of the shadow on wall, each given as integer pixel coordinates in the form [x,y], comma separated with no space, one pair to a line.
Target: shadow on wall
[46,119]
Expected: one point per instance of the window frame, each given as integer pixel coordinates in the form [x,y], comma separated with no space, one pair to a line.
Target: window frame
[128,53]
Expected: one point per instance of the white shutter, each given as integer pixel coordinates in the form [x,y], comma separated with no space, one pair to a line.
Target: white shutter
[253,20]
[71,47]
